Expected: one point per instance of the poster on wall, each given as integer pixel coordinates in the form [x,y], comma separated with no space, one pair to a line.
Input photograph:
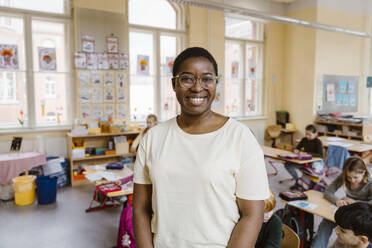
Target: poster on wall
[123,61]
[47,59]
[343,86]
[143,65]
[120,79]
[87,43]
[345,100]
[109,94]
[80,60]
[235,69]
[92,61]
[103,63]
[169,62]
[85,111]
[120,110]
[352,100]
[330,93]
[113,60]
[112,44]
[338,99]
[109,110]
[108,79]
[120,94]
[252,69]
[351,87]
[97,111]
[84,95]
[97,95]
[96,78]
[9,56]
[84,78]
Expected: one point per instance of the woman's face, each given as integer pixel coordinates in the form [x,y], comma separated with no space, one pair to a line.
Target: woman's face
[354,178]
[195,100]
[150,122]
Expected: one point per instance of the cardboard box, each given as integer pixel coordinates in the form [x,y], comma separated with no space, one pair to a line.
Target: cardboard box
[114,129]
[94,130]
[122,148]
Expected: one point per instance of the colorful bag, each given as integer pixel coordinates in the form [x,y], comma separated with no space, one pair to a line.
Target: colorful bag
[126,233]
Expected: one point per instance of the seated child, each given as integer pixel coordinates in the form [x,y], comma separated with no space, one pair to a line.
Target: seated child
[271,230]
[354,226]
[309,144]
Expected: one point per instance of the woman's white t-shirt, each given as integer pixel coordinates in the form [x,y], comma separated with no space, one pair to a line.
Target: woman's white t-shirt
[196,179]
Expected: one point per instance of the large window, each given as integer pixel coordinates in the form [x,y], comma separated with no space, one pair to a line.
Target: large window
[156,37]
[35,73]
[243,67]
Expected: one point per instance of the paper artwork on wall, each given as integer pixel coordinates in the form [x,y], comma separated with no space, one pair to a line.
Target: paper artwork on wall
[252,69]
[120,94]
[103,63]
[96,78]
[352,100]
[343,85]
[235,69]
[123,61]
[108,79]
[338,99]
[112,44]
[345,100]
[109,110]
[92,61]
[113,61]
[84,79]
[9,56]
[120,79]
[120,111]
[84,95]
[169,61]
[47,59]
[97,95]
[109,94]
[80,60]
[351,87]
[143,65]
[85,111]
[87,43]
[97,111]
[331,92]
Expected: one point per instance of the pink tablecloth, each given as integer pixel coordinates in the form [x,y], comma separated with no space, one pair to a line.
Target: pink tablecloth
[12,164]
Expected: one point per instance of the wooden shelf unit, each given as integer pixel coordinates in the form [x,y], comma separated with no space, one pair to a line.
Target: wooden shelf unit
[95,140]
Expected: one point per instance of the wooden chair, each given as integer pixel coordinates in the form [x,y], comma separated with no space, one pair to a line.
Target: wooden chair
[272,133]
[290,239]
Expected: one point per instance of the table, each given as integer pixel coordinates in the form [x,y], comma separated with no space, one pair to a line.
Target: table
[325,208]
[273,153]
[290,132]
[12,164]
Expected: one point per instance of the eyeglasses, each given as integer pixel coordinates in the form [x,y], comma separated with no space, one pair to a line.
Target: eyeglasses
[188,81]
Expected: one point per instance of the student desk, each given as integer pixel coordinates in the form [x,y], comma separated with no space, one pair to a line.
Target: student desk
[359,148]
[324,209]
[273,153]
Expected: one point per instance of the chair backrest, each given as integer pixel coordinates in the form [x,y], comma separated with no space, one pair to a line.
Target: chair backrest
[290,239]
[336,156]
[273,131]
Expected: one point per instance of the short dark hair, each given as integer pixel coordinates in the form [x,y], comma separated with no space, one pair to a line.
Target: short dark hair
[193,52]
[311,128]
[356,217]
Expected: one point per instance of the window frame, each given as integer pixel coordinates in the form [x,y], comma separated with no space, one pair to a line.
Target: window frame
[157,32]
[28,16]
[244,42]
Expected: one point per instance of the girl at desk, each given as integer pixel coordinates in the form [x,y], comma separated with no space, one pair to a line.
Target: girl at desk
[357,184]
[311,145]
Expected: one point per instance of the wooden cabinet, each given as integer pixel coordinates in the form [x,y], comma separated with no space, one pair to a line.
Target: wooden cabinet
[94,141]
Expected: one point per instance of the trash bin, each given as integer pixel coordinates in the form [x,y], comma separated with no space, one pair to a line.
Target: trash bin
[24,188]
[46,189]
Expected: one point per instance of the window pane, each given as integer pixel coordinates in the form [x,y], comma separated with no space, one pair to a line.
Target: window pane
[156,13]
[234,78]
[169,47]
[241,28]
[141,81]
[53,6]
[253,76]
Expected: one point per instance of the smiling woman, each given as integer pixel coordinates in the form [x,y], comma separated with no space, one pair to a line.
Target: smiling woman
[203,165]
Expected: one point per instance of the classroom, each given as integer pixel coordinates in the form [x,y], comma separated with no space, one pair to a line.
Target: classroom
[186,123]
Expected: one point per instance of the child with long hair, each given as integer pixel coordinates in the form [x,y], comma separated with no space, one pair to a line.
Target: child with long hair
[151,121]
[357,184]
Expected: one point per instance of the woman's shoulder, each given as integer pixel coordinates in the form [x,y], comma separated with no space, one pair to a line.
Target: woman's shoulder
[162,127]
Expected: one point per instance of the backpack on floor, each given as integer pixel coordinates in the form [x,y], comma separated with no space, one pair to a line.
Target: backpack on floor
[300,221]
[126,233]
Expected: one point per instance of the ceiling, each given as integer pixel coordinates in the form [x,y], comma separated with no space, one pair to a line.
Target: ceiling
[283,1]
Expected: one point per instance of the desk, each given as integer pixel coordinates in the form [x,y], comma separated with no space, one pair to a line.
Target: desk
[12,164]
[324,209]
[359,148]
[274,153]
[290,132]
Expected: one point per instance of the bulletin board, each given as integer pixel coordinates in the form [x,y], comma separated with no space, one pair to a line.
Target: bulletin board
[338,94]
[102,87]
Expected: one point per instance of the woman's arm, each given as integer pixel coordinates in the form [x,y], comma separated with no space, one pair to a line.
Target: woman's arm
[142,213]
[246,230]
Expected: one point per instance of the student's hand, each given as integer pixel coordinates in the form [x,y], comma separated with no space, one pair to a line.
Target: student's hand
[296,151]
[118,182]
[133,150]
[341,203]
[349,200]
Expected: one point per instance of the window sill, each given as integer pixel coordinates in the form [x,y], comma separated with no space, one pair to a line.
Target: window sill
[9,102]
[36,129]
[250,118]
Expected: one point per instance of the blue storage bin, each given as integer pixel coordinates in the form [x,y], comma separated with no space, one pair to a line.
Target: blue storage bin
[63,176]
[46,189]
